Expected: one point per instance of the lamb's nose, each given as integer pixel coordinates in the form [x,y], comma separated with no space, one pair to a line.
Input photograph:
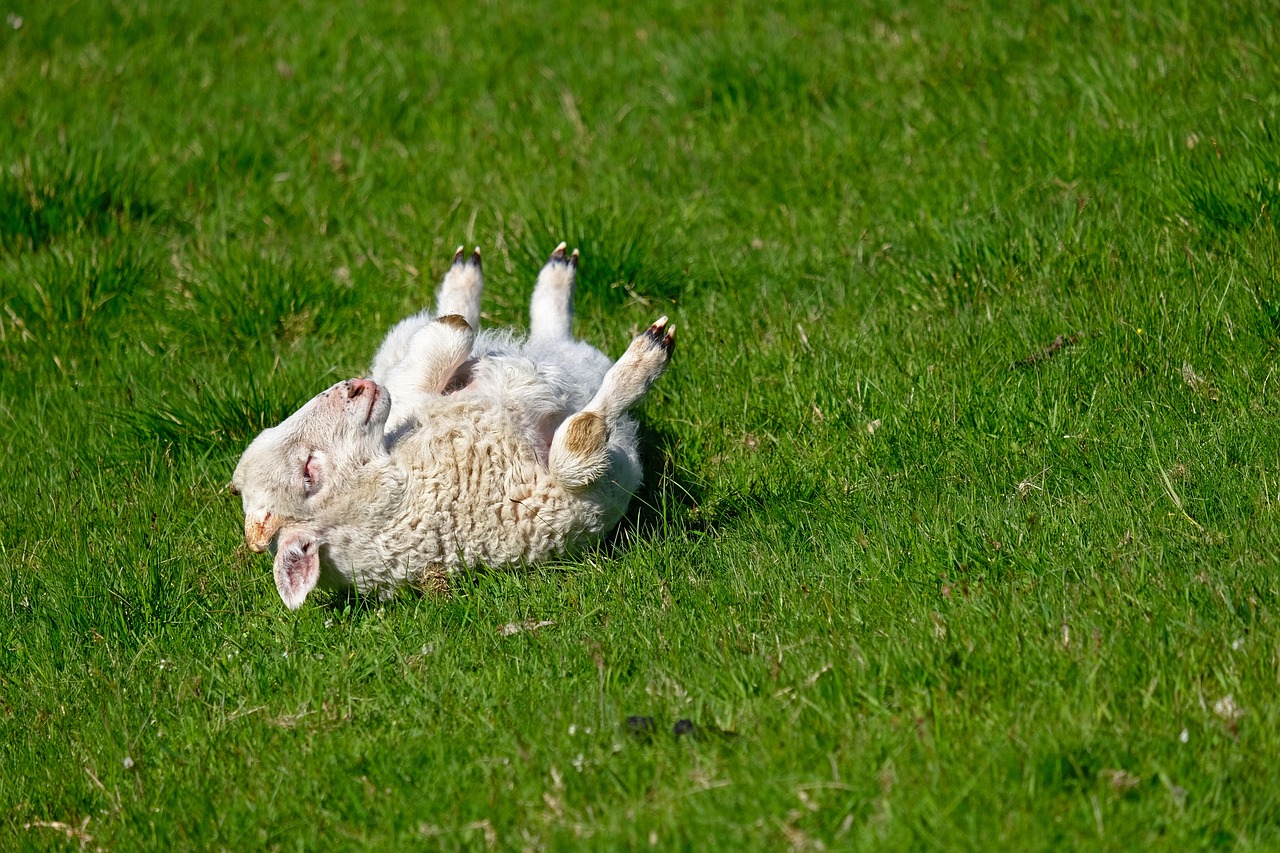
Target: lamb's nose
[356,387]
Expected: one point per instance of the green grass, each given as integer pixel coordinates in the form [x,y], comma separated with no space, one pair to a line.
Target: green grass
[950,585]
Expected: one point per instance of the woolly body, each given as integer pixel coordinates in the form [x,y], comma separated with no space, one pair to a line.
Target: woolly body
[462,449]
[469,484]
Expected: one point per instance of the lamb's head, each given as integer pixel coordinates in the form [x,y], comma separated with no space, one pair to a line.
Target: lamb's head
[299,478]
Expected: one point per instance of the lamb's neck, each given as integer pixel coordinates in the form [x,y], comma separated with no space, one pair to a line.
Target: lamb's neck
[379,493]
[404,521]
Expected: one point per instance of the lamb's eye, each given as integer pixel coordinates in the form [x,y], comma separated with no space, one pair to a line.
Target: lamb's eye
[310,476]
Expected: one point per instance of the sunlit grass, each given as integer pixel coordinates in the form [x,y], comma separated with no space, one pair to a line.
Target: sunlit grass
[960,527]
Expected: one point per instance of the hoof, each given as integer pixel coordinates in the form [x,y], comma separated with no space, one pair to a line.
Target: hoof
[662,335]
[559,257]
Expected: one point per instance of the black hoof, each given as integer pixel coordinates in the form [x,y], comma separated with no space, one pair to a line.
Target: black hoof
[662,335]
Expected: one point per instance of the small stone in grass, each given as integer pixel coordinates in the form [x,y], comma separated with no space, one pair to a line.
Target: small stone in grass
[640,726]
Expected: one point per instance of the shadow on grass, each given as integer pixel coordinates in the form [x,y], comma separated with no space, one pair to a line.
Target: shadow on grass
[672,500]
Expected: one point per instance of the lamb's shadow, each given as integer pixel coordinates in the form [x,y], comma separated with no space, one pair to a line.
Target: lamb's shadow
[349,603]
[672,498]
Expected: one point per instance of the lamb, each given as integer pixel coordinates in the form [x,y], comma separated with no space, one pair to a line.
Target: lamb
[463,448]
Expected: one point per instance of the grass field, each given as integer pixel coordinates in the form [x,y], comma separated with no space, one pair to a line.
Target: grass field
[960,527]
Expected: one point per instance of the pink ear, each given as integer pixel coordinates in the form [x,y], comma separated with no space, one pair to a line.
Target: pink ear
[297,567]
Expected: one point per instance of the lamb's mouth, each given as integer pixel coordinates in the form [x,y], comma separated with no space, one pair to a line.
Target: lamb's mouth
[261,530]
[368,391]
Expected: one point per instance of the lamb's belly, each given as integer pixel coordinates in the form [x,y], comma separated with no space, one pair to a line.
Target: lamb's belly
[503,515]
[539,519]
[488,499]
[518,516]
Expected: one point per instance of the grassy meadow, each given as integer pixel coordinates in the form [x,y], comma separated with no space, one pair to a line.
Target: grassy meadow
[960,528]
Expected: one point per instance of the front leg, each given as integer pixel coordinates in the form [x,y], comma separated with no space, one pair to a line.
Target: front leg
[460,291]
[459,294]
[433,356]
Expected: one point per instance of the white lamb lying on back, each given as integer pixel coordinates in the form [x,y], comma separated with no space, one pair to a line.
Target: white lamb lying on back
[462,447]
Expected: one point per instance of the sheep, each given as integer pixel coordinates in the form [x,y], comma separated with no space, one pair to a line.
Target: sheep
[462,448]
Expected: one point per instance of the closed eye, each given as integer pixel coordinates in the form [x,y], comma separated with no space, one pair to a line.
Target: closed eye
[310,476]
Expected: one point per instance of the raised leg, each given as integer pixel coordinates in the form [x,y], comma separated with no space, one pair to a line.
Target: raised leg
[460,290]
[580,447]
[459,294]
[433,356]
[551,310]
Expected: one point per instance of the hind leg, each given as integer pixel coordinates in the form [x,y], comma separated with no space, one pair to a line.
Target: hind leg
[580,447]
[551,309]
